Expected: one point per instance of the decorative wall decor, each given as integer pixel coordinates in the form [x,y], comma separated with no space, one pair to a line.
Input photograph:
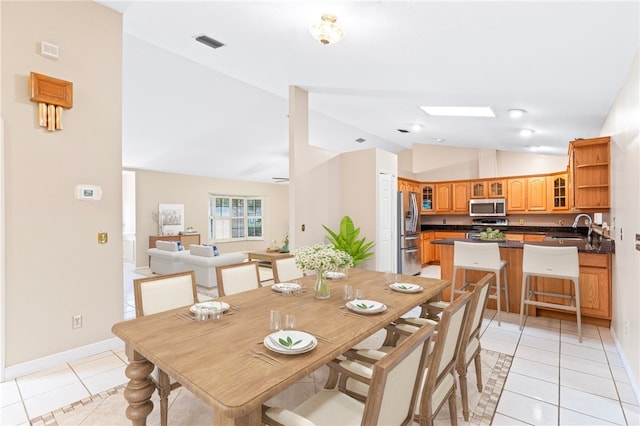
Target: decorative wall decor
[171,219]
[52,95]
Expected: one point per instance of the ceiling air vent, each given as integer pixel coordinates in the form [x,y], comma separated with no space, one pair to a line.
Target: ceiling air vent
[360,140]
[403,130]
[211,42]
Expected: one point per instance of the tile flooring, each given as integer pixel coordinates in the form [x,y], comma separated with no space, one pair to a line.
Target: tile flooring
[553,379]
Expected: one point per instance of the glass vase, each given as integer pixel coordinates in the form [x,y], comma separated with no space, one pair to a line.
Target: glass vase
[321,290]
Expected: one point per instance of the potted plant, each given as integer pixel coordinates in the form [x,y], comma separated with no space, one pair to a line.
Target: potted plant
[347,240]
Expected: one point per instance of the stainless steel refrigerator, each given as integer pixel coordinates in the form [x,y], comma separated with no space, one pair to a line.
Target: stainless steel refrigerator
[408,236]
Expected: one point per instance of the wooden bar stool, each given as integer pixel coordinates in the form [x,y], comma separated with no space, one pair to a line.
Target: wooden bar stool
[550,262]
[480,256]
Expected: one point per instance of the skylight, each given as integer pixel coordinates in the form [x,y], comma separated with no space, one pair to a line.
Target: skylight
[454,111]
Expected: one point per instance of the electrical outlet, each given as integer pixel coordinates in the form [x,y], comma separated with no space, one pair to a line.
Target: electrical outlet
[521,222]
[76,321]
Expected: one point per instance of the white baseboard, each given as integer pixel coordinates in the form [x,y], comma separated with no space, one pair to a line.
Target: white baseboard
[627,367]
[61,358]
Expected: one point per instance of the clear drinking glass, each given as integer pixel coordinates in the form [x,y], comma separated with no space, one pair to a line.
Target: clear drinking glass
[274,320]
[359,293]
[289,322]
[348,292]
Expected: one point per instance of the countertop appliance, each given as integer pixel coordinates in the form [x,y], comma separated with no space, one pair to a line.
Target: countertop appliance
[480,225]
[488,207]
[409,261]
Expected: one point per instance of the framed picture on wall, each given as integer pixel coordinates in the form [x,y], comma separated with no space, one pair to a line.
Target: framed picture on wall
[171,217]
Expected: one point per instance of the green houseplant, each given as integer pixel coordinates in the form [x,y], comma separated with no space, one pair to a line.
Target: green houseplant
[347,240]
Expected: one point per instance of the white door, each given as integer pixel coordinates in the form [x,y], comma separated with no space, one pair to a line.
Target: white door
[386,247]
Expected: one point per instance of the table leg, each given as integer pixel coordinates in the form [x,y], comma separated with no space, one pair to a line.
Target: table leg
[139,389]
[252,418]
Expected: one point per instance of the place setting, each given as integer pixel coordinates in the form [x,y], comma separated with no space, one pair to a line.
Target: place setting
[288,288]
[358,305]
[204,311]
[284,338]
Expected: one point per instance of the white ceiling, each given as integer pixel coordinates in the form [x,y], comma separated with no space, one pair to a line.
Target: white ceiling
[190,109]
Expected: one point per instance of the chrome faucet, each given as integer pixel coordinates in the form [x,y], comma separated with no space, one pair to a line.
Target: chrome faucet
[589,223]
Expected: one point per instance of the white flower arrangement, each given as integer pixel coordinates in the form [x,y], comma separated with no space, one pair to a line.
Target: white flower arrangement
[321,257]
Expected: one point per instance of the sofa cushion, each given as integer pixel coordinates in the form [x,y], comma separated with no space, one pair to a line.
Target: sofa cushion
[200,250]
[167,245]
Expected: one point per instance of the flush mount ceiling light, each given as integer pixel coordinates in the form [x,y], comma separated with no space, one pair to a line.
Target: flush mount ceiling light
[525,133]
[416,127]
[455,111]
[516,113]
[327,31]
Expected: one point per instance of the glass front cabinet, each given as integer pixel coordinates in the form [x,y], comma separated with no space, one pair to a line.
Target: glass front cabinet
[428,199]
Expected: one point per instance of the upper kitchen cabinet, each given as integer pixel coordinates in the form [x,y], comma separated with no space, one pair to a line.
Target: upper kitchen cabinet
[527,194]
[428,191]
[452,197]
[558,192]
[589,174]
[494,188]
[408,185]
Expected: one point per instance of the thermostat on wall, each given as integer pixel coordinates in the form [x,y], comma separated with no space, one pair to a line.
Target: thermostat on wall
[89,192]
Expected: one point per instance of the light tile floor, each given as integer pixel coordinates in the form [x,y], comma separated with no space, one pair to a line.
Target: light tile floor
[553,379]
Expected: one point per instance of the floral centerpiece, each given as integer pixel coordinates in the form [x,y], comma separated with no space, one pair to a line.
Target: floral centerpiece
[321,258]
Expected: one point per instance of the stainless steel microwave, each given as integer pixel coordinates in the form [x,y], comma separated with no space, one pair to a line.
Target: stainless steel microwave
[488,207]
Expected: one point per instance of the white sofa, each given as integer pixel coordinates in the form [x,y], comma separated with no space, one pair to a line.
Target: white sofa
[200,259]
[166,258]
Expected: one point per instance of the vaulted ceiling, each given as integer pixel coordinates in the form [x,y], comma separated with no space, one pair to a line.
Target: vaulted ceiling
[222,112]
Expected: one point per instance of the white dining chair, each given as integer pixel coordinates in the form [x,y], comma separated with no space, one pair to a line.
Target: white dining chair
[160,293]
[285,270]
[558,263]
[393,386]
[237,278]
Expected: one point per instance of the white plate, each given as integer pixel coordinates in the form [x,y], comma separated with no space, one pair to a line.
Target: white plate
[281,286]
[209,306]
[406,287]
[334,275]
[372,307]
[306,342]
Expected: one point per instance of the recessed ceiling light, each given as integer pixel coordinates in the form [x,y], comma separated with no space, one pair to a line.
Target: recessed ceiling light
[416,127]
[525,133]
[452,111]
[516,113]
[440,140]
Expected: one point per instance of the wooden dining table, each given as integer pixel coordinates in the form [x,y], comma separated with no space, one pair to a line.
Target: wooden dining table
[216,359]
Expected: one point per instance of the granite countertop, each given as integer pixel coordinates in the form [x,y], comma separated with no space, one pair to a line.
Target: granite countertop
[607,246]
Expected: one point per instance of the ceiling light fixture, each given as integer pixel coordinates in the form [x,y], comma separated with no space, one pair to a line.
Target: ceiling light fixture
[455,111]
[416,127]
[327,31]
[516,113]
[525,133]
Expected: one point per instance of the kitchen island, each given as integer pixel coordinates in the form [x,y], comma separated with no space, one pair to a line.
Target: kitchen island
[595,276]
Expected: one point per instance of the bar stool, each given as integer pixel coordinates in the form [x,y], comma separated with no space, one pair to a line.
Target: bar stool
[550,262]
[481,256]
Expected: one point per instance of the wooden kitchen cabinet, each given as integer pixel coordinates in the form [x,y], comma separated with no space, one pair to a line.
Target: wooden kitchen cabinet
[494,188]
[452,197]
[527,194]
[523,237]
[589,174]
[441,235]
[428,249]
[517,195]
[427,204]
[558,192]
[408,185]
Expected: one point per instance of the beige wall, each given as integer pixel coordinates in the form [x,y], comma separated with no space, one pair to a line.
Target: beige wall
[623,126]
[54,266]
[154,188]
[432,163]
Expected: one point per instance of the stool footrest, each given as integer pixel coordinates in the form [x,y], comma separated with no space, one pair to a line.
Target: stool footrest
[551,305]
[551,294]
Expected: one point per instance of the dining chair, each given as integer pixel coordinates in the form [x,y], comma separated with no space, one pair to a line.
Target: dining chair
[285,270]
[160,293]
[393,386]
[470,349]
[237,277]
[550,264]
[439,382]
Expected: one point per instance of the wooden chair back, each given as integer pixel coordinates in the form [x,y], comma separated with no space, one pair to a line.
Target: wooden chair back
[285,270]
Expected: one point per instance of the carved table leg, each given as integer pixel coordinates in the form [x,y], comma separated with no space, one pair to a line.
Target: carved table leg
[139,389]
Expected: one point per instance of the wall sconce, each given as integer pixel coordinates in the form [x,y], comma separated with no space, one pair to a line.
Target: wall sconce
[52,95]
